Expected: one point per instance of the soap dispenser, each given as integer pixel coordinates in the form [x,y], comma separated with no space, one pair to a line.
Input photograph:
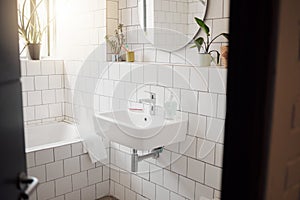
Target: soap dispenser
[170,108]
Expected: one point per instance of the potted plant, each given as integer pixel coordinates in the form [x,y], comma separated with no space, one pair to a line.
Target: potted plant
[116,42]
[30,30]
[205,55]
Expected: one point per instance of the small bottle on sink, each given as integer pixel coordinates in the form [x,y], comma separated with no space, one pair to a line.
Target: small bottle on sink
[170,108]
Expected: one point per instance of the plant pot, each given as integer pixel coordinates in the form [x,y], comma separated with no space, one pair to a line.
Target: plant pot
[34,51]
[204,59]
[224,55]
[115,58]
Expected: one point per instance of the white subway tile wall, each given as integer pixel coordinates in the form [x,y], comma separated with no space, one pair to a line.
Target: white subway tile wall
[66,172]
[64,177]
[43,90]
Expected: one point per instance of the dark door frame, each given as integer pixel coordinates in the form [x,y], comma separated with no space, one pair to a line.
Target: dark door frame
[253,37]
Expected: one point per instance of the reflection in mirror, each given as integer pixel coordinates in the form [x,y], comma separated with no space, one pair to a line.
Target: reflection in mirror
[170,24]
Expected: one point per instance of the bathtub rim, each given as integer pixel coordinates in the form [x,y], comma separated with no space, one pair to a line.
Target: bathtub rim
[54,144]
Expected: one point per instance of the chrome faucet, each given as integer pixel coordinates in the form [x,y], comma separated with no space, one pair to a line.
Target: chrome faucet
[151,101]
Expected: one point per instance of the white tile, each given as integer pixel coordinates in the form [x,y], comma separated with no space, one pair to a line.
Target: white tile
[125,72]
[162,193]
[162,56]
[79,180]
[115,174]
[112,9]
[188,147]
[179,164]
[34,98]
[149,53]
[48,96]
[148,189]
[139,197]
[221,112]
[27,83]
[219,155]
[88,193]
[71,166]
[33,68]
[102,189]
[54,170]
[59,198]
[48,67]
[59,67]
[44,156]
[94,175]
[189,101]
[122,4]
[217,80]
[114,71]
[203,192]
[131,3]
[126,16]
[29,113]
[129,195]
[59,94]
[165,76]
[226,8]
[41,112]
[207,104]
[197,125]
[135,16]
[125,178]
[63,185]
[30,159]
[150,74]
[215,9]
[23,65]
[215,129]
[171,180]
[55,110]
[62,152]
[186,187]
[111,188]
[220,26]
[181,76]
[55,81]
[136,184]
[119,191]
[77,149]
[175,196]
[73,195]
[41,82]
[45,190]
[38,172]
[196,170]
[105,173]
[24,99]
[164,159]
[213,176]
[156,175]
[199,78]
[86,162]
[206,151]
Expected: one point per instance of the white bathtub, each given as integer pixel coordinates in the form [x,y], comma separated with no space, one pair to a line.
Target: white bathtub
[39,137]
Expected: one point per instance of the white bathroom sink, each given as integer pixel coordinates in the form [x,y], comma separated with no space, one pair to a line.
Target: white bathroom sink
[141,131]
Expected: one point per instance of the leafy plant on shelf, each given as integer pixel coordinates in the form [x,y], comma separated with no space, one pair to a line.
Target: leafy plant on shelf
[29,27]
[117,40]
[200,42]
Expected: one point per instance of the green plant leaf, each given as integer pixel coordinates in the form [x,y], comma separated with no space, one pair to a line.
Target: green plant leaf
[199,42]
[202,24]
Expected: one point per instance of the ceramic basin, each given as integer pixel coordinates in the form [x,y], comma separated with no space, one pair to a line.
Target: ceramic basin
[141,131]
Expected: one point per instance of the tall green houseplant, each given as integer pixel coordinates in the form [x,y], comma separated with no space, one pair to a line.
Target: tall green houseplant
[205,44]
[30,29]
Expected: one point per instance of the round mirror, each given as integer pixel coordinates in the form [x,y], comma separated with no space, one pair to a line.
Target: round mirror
[170,24]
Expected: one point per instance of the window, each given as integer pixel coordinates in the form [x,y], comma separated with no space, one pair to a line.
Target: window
[44,10]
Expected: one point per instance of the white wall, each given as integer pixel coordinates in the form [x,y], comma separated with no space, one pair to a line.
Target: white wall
[202,97]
